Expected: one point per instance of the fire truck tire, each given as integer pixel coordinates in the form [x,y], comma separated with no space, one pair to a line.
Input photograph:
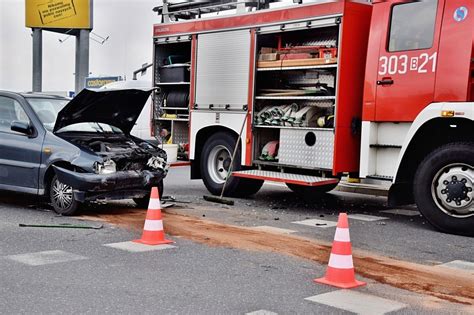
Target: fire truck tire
[215,163]
[309,193]
[443,188]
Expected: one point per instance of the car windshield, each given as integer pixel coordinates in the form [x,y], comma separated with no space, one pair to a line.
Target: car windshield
[47,110]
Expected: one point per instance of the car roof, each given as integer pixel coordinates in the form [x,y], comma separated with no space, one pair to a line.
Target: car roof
[33,94]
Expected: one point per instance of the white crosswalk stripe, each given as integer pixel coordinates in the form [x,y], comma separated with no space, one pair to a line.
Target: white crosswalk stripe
[459,264]
[46,257]
[357,302]
[138,247]
[317,223]
[261,312]
[365,217]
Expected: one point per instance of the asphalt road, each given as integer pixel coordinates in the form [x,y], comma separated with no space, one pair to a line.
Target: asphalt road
[71,271]
[402,236]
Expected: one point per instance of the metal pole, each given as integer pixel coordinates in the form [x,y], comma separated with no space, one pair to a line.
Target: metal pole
[82,59]
[37,59]
[165,18]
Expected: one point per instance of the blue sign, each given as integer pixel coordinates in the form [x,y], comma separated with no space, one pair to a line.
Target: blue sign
[460,14]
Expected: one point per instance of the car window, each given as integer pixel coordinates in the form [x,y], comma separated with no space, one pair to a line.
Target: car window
[47,109]
[412,25]
[11,110]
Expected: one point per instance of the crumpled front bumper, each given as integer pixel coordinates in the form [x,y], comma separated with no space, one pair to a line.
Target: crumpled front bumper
[122,180]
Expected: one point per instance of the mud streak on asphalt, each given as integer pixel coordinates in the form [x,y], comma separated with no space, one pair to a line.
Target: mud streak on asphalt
[444,284]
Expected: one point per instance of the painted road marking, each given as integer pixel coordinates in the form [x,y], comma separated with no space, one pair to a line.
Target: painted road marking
[365,217]
[261,312]
[138,247]
[317,223]
[459,264]
[357,302]
[409,213]
[272,229]
[46,257]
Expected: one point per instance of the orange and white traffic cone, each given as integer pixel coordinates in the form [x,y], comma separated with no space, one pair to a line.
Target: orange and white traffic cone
[153,233]
[340,272]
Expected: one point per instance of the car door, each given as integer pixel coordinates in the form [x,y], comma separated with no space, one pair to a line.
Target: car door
[408,58]
[20,154]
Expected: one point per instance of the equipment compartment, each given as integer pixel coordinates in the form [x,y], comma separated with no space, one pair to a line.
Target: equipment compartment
[171,99]
[307,148]
[295,94]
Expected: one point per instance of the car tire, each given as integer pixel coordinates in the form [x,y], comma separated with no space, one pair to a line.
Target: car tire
[215,162]
[310,193]
[62,198]
[143,202]
[443,188]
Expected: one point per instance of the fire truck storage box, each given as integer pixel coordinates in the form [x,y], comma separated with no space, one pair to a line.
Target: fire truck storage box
[267,50]
[307,148]
[296,62]
[268,57]
[175,73]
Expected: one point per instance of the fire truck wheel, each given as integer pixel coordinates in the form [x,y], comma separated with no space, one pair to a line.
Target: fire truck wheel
[443,188]
[215,164]
[310,193]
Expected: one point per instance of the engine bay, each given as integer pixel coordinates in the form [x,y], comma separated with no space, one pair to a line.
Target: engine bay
[127,154]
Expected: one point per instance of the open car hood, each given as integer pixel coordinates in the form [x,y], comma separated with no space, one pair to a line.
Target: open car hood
[119,108]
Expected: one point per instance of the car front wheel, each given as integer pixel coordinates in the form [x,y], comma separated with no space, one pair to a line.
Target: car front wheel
[62,198]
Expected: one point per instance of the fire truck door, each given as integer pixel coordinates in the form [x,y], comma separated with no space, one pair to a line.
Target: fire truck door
[408,58]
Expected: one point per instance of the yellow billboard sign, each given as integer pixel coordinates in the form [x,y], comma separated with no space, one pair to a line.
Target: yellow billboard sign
[65,14]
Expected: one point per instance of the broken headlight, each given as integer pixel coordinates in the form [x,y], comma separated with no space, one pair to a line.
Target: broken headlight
[107,167]
[157,163]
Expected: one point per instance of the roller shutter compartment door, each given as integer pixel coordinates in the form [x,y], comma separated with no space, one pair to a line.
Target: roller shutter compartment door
[223,69]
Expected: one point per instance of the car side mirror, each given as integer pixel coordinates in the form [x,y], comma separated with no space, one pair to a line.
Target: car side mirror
[21,127]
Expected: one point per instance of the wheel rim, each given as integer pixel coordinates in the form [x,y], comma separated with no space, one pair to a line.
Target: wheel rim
[218,164]
[61,195]
[452,190]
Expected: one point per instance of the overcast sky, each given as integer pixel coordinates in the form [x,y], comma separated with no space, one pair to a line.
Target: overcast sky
[128,23]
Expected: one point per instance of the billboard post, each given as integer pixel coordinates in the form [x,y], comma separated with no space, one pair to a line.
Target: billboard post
[82,59]
[72,17]
[37,59]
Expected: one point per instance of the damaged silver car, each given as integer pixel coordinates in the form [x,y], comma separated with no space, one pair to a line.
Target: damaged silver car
[77,151]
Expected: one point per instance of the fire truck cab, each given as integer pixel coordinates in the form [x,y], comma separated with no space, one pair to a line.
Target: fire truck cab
[309,93]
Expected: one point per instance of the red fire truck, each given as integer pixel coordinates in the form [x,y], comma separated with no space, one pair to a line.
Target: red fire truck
[381,91]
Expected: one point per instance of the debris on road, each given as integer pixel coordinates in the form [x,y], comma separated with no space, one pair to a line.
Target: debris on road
[165,199]
[62,226]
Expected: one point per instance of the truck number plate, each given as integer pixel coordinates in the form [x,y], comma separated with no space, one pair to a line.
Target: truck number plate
[403,64]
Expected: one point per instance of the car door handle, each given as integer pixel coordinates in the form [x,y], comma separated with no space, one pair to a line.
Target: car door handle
[385,82]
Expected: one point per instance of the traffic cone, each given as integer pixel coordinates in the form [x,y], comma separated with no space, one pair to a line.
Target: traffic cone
[153,233]
[340,272]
